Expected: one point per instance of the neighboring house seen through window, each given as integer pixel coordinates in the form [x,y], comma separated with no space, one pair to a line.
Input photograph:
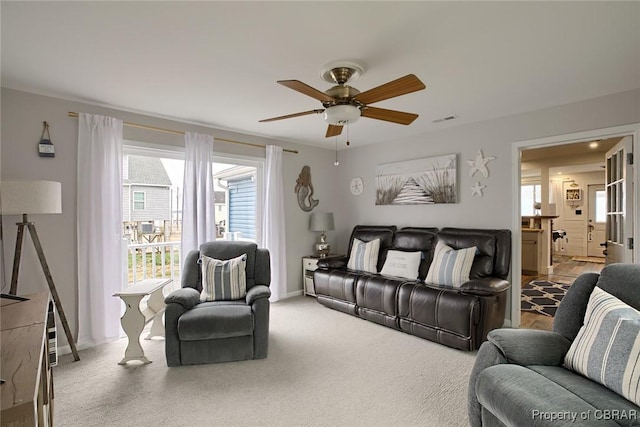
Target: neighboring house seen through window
[152,205]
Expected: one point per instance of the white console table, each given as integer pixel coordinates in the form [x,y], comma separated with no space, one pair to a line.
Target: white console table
[137,315]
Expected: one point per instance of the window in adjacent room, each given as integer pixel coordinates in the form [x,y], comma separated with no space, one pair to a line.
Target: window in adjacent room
[601,206]
[529,196]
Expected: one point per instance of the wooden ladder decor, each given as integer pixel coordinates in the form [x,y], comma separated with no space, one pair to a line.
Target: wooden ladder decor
[47,273]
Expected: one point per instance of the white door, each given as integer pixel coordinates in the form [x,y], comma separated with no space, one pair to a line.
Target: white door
[597,220]
[619,193]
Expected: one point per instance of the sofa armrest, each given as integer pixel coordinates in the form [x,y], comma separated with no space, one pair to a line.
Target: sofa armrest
[529,346]
[186,297]
[485,286]
[256,292]
[337,262]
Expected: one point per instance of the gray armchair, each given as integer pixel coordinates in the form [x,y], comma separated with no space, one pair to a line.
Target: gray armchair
[219,331]
[519,378]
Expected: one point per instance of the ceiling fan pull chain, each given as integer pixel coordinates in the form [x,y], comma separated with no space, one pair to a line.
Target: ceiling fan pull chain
[336,163]
[348,135]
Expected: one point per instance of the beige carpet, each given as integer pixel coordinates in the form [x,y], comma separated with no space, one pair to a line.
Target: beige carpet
[324,368]
[598,260]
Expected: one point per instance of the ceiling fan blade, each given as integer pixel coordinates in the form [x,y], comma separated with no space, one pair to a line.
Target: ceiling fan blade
[288,116]
[304,88]
[333,130]
[389,115]
[402,86]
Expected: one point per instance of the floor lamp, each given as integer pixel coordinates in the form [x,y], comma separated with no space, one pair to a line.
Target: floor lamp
[34,197]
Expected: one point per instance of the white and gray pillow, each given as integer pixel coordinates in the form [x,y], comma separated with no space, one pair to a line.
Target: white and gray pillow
[364,255]
[607,347]
[223,280]
[450,267]
[402,264]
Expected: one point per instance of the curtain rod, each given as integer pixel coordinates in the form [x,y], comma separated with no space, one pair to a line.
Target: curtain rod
[178,132]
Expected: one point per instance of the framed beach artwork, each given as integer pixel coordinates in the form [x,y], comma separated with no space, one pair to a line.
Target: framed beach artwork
[417,182]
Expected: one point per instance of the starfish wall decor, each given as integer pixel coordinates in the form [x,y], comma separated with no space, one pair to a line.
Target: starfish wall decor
[476,190]
[479,164]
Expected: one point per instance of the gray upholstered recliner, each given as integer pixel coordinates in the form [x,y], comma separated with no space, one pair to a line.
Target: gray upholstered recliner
[519,378]
[219,331]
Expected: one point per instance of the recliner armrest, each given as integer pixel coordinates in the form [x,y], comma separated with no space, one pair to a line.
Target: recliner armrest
[485,286]
[338,262]
[529,346]
[257,292]
[186,297]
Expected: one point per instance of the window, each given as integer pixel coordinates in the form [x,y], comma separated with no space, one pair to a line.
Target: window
[529,195]
[152,197]
[601,206]
[139,201]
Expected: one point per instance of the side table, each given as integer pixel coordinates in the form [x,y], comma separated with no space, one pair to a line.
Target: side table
[137,315]
[309,265]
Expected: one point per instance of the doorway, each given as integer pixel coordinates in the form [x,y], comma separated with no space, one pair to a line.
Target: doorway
[597,220]
[517,150]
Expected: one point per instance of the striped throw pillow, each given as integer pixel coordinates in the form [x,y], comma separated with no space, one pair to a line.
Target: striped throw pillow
[607,347]
[223,280]
[364,256]
[450,267]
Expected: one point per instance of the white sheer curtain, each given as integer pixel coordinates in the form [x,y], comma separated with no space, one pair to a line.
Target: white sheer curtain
[100,250]
[198,203]
[273,222]
[555,193]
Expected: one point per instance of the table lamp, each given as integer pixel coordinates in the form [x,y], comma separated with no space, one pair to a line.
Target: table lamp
[322,222]
[34,197]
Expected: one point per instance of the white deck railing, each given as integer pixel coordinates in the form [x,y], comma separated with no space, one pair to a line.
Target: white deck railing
[153,260]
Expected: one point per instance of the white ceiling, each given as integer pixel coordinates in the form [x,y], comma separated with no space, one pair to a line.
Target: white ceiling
[217,63]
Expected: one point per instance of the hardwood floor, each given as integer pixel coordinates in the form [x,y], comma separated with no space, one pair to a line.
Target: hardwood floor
[565,270]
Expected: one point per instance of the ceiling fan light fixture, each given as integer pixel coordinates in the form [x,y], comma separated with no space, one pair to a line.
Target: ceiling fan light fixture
[340,115]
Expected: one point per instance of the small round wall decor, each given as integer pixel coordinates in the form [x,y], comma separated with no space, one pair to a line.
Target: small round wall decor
[357,186]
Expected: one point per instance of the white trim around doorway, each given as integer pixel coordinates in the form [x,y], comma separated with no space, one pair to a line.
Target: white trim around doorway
[516,147]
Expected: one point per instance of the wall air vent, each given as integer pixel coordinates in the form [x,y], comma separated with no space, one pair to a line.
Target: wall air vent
[446,119]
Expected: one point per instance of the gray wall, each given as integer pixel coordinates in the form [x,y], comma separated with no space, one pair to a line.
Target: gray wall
[22,117]
[22,120]
[494,138]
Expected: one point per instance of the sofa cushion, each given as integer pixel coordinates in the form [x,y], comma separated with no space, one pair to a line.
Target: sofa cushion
[607,347]
[520,396]
[402,264]
[364,256]
[212,320]
[223,280]
[589,391]
[450,267]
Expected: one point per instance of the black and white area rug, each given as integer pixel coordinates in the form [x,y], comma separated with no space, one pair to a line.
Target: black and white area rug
[543,297]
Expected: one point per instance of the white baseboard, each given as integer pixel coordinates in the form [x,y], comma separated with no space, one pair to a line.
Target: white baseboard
[294,294]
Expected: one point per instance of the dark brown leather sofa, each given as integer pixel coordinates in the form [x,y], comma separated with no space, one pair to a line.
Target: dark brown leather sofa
[456,317]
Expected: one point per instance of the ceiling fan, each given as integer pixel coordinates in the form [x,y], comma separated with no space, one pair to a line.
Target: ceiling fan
[344,104]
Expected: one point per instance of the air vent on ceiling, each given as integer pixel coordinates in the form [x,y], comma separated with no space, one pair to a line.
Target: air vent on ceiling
[446,119]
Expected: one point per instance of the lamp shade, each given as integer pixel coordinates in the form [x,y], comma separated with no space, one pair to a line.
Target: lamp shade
[340,115]
[321,221]
[30,197]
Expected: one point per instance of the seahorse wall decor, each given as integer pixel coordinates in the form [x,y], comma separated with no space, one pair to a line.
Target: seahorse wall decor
[304,190]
